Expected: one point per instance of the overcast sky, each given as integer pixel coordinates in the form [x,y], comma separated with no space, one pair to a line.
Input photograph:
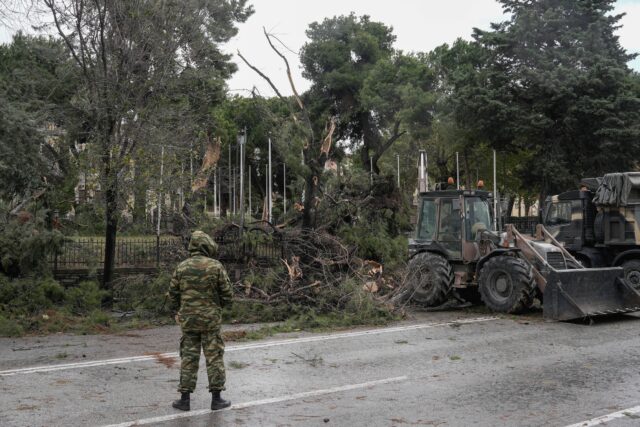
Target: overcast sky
[420,25]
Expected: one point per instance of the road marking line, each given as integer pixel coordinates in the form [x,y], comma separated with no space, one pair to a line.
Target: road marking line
[279,399]
[241,347]
[606,418]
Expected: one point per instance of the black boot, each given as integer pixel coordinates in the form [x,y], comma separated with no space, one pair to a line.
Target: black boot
[184,403]
[217,402]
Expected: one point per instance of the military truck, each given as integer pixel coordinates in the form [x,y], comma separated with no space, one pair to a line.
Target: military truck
[454,249]
[600,224]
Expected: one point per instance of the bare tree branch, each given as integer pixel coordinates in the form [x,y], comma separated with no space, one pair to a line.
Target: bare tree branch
[263,75]
[51,5]
[286,62]
[394,137]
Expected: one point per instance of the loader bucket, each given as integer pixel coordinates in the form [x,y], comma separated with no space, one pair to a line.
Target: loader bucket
[582,293]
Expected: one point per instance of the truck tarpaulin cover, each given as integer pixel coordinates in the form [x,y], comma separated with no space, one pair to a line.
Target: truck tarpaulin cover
[617,189]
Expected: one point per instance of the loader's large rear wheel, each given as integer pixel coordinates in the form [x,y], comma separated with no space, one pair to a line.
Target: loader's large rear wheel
[506,284]
[429,280]
[632,273]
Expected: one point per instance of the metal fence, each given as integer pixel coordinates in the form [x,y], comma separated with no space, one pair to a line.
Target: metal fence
[142,253]
[88,253]
[524,224]
[256,246]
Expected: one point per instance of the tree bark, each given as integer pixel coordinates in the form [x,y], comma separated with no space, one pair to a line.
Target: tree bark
[311,185]
[527,206]
[139,198]
[384,146]
[111,216]
[367,141]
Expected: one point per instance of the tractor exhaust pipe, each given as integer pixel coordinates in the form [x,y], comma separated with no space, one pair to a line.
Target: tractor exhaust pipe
[423,172]
[495,194]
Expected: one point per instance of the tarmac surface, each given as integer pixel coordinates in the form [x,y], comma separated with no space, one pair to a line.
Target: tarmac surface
[437,369]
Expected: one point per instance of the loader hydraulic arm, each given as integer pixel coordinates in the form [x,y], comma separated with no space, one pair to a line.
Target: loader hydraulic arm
[529,253]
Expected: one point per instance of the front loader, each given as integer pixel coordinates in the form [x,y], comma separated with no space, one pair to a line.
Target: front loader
[454,252]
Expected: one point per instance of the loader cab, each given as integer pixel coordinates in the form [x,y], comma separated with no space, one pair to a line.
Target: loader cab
[569,217]
[449,222]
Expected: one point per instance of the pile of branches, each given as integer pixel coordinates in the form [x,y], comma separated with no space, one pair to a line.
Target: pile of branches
[320,271]
[352,198]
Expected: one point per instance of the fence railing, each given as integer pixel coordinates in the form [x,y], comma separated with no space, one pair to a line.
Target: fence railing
[524,224]
[256,246]
[87,253]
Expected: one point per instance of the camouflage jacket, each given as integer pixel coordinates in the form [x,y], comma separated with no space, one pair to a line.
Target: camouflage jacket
[200,286]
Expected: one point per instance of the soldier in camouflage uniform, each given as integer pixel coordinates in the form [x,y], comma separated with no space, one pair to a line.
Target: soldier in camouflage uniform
[199,289]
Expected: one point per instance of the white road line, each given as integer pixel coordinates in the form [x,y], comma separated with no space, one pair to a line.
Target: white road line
[606,418]
[241,347]
[279,399]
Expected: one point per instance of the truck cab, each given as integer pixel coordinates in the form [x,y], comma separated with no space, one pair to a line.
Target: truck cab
[570,217]
[600,225]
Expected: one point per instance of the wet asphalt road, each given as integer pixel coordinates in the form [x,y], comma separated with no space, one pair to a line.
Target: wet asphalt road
[440,369]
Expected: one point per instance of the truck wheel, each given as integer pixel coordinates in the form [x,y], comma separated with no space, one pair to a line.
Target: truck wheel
[632,273]
[506,284]
[429,280]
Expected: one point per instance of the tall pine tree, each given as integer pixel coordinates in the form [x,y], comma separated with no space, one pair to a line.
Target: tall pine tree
[556,83]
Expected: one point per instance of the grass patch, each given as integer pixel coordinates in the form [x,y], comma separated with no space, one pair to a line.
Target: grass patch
[314,322]
[63,321]
[256,312]
[9,328]
[41,306]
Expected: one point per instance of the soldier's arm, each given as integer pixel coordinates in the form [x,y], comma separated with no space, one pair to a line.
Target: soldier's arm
[174,293]
[224,289]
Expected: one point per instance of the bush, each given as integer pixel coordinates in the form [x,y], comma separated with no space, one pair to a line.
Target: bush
[84,298]
[88,221]
[29,296]
[25,247]
[9,328]
[145,294]
[98,318]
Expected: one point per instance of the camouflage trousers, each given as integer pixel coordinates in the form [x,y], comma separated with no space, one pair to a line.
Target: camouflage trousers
[212,345]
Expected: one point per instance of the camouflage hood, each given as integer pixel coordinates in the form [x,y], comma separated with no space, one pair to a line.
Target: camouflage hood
[202,244]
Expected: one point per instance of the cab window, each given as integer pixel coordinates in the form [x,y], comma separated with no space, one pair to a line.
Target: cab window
[427,225]
[559,213]
[450,221]
[477,217]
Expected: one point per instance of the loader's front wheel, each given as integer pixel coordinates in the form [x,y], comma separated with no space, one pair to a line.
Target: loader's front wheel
[506,284]
[632,273]
[429,280]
